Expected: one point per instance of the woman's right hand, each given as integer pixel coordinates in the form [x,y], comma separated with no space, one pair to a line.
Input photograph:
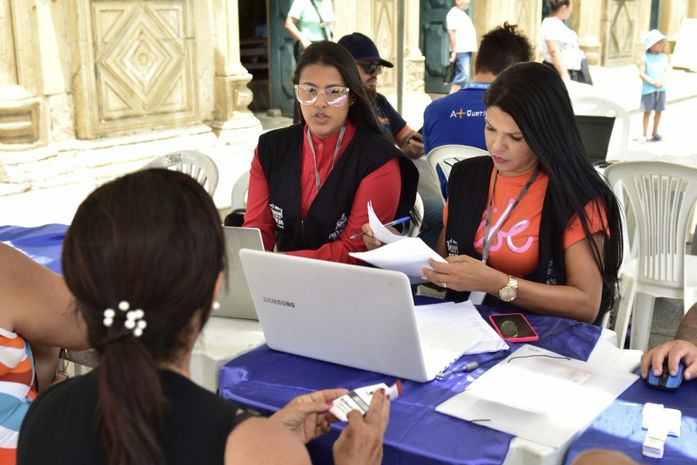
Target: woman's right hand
[361,441]
[368,239]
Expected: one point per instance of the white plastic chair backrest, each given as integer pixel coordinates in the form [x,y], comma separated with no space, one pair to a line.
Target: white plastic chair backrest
[599,106]
[238,198]
[446,156]
[196,164]
[661,196]
[417,217]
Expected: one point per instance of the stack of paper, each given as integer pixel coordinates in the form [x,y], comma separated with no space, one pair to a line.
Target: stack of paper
[406,254]
[538,395]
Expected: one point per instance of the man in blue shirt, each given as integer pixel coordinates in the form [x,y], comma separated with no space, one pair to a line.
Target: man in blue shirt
[458,118]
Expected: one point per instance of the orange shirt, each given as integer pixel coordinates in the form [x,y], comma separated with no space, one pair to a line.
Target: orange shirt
[515,248]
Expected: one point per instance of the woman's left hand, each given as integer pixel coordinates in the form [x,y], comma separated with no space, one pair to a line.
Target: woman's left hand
[464,273]
[308,415]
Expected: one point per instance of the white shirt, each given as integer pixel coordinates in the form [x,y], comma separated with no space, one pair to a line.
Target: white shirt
[465,35]
[554,29]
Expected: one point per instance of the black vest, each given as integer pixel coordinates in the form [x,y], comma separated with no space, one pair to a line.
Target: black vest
[468,188]
[280,155]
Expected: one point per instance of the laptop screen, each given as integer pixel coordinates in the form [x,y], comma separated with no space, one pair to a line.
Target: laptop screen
[595,135]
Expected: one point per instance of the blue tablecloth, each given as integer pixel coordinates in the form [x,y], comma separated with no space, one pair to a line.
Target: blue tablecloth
[266,380]
[41,243]
[619,426]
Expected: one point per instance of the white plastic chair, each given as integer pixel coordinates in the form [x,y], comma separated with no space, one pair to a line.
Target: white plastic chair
[599,106]
[444,157]
[197,165]
[417,217]
[661,196]
[238,200]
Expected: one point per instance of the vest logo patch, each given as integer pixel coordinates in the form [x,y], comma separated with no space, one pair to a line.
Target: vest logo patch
[340,225]
[462,113]
[277,213]
[453,247]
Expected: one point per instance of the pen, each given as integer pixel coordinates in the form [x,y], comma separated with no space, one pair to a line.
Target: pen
[401,220]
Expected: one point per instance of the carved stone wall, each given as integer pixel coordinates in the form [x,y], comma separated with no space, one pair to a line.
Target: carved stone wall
[92,89]
[136,65]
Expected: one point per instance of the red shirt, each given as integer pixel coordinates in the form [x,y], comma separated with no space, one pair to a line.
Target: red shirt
[382,186]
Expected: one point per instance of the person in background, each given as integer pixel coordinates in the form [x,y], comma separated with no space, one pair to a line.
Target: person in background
[532,226]
[682,349]
[370,65]
[653,68]
[559,44]
[36,319]
[310,21]
[144,308]
[310,183]
[463,41]
[459,118]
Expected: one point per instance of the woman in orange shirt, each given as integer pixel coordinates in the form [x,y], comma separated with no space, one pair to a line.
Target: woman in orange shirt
[532,226]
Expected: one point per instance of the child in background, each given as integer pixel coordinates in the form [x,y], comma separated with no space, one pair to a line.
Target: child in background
[653,68]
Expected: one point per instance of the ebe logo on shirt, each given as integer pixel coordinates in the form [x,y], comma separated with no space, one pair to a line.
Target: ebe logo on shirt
[462,113]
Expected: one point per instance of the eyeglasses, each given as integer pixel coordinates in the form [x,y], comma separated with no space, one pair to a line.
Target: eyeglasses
[371,68]
[308,94]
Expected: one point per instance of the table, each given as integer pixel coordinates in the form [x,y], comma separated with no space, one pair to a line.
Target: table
[622,419]
[43,243]
[265,380]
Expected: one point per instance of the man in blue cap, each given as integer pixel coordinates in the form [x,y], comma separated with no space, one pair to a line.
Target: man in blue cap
[370,65]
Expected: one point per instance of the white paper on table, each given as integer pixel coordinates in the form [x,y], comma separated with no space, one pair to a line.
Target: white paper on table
[540,398]
[461,316]
[380,232]
[408,255]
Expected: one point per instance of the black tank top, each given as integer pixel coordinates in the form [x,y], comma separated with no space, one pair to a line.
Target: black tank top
[59,426]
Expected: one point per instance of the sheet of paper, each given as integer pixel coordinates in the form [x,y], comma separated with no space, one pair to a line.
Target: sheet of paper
[407,255]
[462,315]
[538,395]
[380,232]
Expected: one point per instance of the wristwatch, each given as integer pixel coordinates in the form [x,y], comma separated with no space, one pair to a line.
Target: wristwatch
[509,292]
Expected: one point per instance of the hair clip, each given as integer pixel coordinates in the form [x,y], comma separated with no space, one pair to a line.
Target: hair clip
[135,319]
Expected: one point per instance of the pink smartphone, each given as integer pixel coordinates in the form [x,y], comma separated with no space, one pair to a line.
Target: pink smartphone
[513,327]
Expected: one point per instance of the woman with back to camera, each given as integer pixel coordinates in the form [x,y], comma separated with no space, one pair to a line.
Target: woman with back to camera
[310,183]
[143,259]
[554,241]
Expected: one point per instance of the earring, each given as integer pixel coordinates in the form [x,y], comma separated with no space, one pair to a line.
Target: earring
[216,305]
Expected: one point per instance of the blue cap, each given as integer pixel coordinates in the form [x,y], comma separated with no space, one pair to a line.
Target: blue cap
[362,48]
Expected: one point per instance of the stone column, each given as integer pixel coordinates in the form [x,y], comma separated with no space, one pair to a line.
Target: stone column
[587,23]
[233,123]
[488,14]
[672,14]
[22,115]
[692,9]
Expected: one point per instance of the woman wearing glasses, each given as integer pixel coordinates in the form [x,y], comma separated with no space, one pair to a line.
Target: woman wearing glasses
[310,183]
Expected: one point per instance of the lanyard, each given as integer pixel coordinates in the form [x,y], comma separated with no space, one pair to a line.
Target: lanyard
[489,236]
[314,157]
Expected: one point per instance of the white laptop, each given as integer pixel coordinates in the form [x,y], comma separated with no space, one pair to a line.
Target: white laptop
[351,315]
[234,298]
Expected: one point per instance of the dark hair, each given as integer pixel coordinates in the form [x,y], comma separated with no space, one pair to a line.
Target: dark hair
[500,48]
[555,5]
[152,238]
[330,54]
[536,98]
